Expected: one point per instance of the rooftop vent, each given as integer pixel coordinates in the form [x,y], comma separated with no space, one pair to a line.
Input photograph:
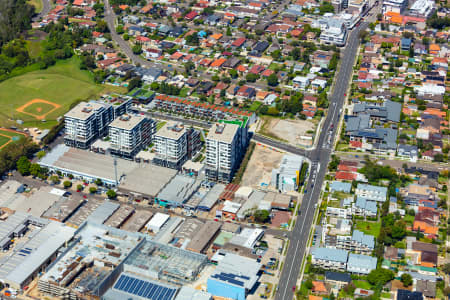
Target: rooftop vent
[220,128]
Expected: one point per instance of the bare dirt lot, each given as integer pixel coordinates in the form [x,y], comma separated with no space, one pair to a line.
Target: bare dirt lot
[259,169]
[295,132]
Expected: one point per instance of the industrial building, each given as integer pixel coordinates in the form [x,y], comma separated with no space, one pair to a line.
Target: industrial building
[90,263]
[30,257]
[63,209]
[285,178]
[178,191]
[204,237]
[144,179]
[86,122]
[226,144]
[120,216]
[234,277]
[165,263]
[137,221]
[130,133]
[175,144]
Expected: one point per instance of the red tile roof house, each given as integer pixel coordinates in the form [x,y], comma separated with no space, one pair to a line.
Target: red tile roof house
[340,175]
[256,69]
[238,42]
[191,16]
[176,56]
[267,72]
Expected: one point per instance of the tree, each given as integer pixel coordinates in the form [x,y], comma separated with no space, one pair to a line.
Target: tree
[119,29]
[309,284]
[111,194]
[98,182]
[101,26]
[250,77]
[229,31]
[334,163]
[23,166]
[67,184]
[276,54]
[446,268]
[35,169]
[134,83]
[233,73]
[272,80]
[261,216]
[296,53]
[406,279]
[92,190]
[137,49]
[79,187]
[54,179]
[380,276]
[326,7]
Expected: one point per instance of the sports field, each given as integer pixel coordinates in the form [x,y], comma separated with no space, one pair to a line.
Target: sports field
[46,94]
[8,136]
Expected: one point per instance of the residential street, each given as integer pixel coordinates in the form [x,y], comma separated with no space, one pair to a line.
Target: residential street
[320,157]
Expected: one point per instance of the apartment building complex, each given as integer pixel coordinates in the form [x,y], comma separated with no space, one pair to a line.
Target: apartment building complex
[86,122]
[225,147]
[200,109]
[358,242]
[130,133]
[175,144]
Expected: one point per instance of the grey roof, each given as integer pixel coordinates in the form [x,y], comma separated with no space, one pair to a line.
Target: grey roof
[224,132]
[361,261]
[152,72]
[103,212]
[340,186]
[363,203]
[179,189]
[244,270]
[127,122]
[189,293]
[203,236]
[337,255]
[357,122]
[382,190]
[212,196]
[337,276]
[147,179]
[362,238]
[41,247]
[393,110]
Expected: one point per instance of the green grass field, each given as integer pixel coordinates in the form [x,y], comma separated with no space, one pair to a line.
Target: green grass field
[372,228]
[37,4]
[39,108]
[63,83]
[3,140]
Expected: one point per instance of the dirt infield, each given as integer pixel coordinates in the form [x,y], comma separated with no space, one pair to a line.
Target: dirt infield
[7,136]
[42,112]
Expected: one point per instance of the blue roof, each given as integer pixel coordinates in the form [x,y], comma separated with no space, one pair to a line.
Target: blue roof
[365,239]
[373,188]
[340,186]
[362,261]
[338,255]
[363,203]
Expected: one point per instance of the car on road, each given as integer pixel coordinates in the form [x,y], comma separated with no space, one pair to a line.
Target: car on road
[293,288]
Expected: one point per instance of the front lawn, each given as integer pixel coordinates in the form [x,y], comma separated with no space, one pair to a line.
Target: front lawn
[372,228]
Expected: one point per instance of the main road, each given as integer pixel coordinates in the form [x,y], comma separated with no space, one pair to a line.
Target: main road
[320,157]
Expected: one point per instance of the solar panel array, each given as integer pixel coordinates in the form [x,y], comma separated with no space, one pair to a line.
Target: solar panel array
[144,288]
[231,278]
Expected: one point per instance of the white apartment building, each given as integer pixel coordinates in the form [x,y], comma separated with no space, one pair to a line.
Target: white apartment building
[334,32]
[371,192]
[337,212]
[171,144]
[358,242]
[397,6]
[130,133]
[328,258]
[86,122]
[225,146]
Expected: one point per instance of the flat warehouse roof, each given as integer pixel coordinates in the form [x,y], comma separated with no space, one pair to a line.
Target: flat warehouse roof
[147,179]
[86,163]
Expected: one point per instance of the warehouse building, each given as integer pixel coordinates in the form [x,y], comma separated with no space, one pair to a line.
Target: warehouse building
[89,265]
[204,237]
[178,191]
[137,221]
[234,277]
[165,263]
[31,257]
